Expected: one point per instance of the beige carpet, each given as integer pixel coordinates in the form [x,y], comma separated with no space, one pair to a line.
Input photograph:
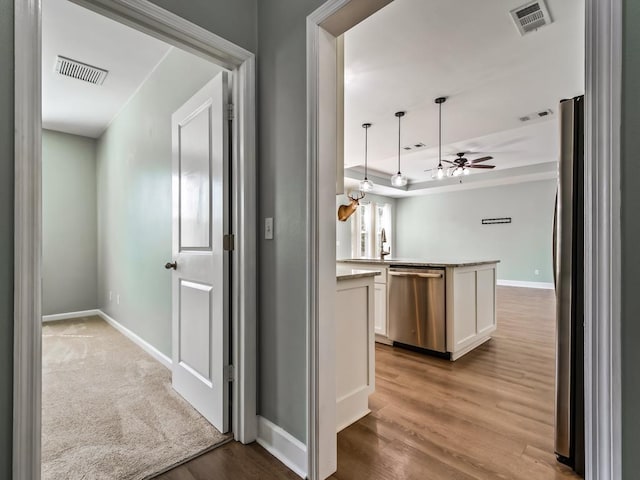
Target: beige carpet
[108,409]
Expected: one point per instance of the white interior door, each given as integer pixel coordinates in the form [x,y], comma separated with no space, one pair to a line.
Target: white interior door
[200,277]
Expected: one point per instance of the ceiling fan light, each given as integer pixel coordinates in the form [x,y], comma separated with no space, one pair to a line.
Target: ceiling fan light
[398,180]
[457,172]
[366,185]
[466,171]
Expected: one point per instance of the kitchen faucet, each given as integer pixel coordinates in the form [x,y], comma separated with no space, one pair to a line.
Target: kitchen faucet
[383,240]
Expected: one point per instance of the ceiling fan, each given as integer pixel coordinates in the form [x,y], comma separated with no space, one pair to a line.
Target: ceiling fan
[461,164]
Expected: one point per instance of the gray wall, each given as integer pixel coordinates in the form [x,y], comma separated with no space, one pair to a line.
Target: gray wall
[282,195]
[6,235]
[134,200]
[69,228]
[343,229]
[448,226]
[630,241]
[234,20]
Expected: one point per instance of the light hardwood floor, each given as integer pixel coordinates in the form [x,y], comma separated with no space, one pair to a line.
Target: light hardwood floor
[487,416]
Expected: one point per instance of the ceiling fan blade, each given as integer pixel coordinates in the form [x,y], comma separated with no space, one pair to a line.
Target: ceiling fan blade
[480,166]
[483,159]
[448,161]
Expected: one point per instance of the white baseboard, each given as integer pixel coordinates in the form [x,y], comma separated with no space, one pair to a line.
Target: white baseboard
[69,315]
[147,347]
[383,339]
[282,445]
[472,346]
[519,283]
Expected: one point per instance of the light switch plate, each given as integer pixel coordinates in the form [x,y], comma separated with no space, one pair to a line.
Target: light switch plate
[268,228]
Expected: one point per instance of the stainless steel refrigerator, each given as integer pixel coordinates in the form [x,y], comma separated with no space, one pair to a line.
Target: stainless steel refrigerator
[569,283]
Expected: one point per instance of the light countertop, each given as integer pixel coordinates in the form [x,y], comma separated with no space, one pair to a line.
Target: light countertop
[344,273]
[412,262]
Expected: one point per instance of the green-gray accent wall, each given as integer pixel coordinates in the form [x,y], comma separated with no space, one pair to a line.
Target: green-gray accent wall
[630,180]
[69,231]
[282,181]
[234,20]
[6,236]
[134,199]
[443,226]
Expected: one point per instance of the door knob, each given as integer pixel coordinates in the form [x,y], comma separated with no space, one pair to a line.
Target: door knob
[170,265]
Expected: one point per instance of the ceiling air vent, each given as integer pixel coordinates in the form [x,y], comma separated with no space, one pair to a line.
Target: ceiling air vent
[536,115]
[81,71]
[531,16]
[414,146]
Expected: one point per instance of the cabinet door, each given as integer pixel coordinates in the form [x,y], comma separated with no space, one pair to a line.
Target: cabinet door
[380,316]
[486,295]
[464,308]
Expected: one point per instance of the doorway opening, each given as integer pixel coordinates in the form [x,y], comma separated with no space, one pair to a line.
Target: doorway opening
[132,162]
[465,247]
[324,38]
[108,218]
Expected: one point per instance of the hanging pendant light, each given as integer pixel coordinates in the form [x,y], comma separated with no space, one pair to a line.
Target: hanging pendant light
[366,185]
[440,100]
[399,180]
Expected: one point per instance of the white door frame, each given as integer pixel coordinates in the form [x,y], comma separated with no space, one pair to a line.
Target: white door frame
[602,237]
[155,21]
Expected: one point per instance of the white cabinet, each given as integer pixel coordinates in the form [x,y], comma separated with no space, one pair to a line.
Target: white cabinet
[470,303]
[354,345]
[381,298]
[380,308]
[471,307]
[485,301]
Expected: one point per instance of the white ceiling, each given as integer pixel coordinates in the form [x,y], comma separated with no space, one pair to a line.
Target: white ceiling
[78,107]
[470,51]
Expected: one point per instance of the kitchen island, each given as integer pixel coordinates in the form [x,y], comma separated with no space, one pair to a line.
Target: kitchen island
[355,354]
[446,308]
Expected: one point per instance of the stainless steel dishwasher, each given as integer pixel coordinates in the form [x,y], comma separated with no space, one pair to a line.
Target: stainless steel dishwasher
[417,307]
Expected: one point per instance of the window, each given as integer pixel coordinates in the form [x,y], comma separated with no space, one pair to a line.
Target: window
[370,219]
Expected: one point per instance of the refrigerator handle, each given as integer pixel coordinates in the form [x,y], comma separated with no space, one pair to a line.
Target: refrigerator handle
[554,240]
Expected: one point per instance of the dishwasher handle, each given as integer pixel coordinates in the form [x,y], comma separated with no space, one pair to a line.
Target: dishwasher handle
[415,274]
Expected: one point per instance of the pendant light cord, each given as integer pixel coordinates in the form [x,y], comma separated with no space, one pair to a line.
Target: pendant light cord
[399,117]
[399,180]
[366,140]
[440,135]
